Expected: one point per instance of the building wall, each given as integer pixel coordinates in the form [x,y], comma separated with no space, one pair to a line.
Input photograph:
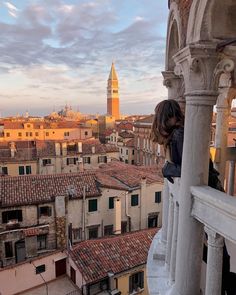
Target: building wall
[17,231]
[146,152]
[14,280]
[123,281]
[13,167]
[46,134]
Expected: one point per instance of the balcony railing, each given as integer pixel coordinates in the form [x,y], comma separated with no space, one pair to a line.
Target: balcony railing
[216,211]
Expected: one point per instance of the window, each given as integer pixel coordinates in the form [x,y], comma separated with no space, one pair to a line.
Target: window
[126,161]
[77,233]
[4,170]
[27,134]
[132,162]
[66,133]
[108,230]
[11,215]
[102,159]
[71,161]
[39,269]
[158,197]
[28,125]
[121,151]
[21,170]
[42,242]
[134,200]
[115,91]
[30,134]
[28,169]
[7,134]
[86,160]
[152,220]
[136,282]
[47,133]
[132,152]
[47,162]
[45,211]
[93,205]
[86,133]
[19,134]
[93,232]
[36,134]
[111,202]
[127,152]
[8,249]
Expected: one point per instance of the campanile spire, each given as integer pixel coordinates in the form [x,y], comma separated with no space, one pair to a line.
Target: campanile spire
[113,104]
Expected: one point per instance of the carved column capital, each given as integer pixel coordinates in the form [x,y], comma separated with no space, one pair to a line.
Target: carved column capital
[214,239]
[201,68]
[169,78]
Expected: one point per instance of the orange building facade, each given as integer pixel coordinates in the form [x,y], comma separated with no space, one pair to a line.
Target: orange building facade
[42,130]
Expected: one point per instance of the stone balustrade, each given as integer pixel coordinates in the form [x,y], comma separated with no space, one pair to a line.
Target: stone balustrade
[217,212]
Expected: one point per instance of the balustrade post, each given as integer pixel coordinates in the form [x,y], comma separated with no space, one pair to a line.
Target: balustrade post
[174,242]
[230,190]
[165,211]
[215,244]
[170,231]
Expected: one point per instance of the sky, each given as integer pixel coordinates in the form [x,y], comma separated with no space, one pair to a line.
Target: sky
[57,52]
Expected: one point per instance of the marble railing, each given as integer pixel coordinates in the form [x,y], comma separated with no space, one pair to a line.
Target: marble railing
[217,212]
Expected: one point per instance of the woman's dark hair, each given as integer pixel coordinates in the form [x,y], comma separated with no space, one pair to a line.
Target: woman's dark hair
[163,126]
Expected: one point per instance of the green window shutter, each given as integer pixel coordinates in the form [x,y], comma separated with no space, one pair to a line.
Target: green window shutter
[93,205]
[28,169]
[21,170]
[158,197]
[111,202]
[134,200]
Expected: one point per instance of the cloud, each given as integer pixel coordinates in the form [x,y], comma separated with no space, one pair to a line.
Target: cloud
[12,9]
[60,50]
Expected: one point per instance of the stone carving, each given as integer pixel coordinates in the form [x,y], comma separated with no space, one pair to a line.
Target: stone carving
[226,66]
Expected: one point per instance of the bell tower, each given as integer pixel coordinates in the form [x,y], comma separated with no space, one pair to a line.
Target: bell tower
[113,104]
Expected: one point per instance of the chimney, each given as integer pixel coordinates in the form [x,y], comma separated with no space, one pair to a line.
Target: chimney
[13,149]
[93,149]
[117,223]
[79,147]
[111,281]
[57,149]
[64,149]
[60,220]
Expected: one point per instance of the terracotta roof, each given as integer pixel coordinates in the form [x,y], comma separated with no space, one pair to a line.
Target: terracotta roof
[34,189]
[95,258]
[126,134]
[147,119]
[124,176]
[99,148]
[130,143]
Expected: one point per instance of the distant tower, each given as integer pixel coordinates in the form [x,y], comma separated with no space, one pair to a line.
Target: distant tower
[113,104]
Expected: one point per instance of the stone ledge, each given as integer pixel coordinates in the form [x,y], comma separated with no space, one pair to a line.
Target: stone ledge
[157,274]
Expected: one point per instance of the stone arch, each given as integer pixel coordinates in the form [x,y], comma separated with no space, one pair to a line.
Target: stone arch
[173,43]
[211,20]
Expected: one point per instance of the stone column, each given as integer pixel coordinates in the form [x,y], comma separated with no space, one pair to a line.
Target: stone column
[165,209]
[223,109]
[215,244]
[198,64]
[174,242]
[230,190]
[169,231]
